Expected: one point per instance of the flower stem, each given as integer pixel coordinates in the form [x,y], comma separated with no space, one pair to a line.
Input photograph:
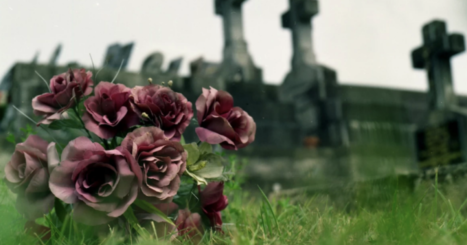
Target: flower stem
[81,120]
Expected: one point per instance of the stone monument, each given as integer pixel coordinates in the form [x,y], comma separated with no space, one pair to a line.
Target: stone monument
[310,86]
[441,141]
[118,55]
[237,64]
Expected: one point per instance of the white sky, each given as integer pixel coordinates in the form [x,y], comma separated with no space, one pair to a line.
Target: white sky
[367,41]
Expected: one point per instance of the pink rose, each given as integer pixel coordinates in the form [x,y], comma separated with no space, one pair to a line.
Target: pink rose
[221,123]
[190,225]
[161,160]
[65,90]
[108,111]
[213,202]
[163,108]
[27,174]
[101,184]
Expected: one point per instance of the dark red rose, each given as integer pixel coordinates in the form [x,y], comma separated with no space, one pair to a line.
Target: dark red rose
[162,107]
[189,225]
[27,174]
[221,123]
[109,111]
[213,201]
[65,90]
[161,160]
[101,184]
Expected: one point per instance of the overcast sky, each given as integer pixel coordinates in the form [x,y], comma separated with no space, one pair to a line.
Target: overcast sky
[368,42]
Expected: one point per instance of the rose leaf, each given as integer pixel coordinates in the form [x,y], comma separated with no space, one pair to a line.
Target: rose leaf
[199,180]
[193,153]
[213,168]
[205,148]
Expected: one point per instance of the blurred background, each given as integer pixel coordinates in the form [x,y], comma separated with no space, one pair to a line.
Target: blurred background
[367,42]
[331,84]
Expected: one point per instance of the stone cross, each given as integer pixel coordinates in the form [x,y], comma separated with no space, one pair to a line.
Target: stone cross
[55,55]
[236,58]
[297,19]
[434,56]
[117,53]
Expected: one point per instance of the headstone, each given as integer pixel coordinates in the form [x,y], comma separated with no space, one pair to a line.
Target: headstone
[204,74]
[174,66]
[310,86]
[118,55]
[55,55]
[439,139]
[434,56]
[153,63]
[440,145]
[237,64]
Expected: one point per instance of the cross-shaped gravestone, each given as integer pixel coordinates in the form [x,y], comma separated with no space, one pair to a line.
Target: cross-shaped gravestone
[237,62]
[434,56]
[231,12]
[297,19]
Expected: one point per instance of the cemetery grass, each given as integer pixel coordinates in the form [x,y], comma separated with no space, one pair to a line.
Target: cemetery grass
[432,214]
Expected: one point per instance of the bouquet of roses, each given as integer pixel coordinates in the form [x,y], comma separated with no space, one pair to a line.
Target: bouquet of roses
[131,166]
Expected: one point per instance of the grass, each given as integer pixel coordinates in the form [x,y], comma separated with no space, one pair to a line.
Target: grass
[381,212]
[432,214]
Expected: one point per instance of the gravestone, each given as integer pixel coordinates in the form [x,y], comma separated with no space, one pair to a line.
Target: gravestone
[237,64]
[204,74]
[118,55]
[153,63]
[55,55]
[441,141]
[310,86]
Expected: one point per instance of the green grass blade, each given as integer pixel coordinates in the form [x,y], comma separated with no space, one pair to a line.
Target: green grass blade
[151,209]
[265,198]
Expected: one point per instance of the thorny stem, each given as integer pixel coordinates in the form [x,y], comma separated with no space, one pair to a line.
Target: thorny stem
[81,120]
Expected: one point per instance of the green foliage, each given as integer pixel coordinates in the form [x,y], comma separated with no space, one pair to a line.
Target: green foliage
[65,124]
[202,164]
[26,132]
[151,209]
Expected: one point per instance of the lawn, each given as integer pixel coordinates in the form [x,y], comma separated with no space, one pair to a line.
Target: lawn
[434,213]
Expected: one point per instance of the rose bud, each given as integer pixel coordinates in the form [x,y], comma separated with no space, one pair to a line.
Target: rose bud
[101,184]
[189,225]
[27,174]
[161,160]
[65,90]
[108,111]
[213,202]
[162,107]
[221,123]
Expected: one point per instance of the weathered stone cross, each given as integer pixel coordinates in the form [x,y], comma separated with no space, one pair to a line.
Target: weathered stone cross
[235,48]
[434,56]
[297,19]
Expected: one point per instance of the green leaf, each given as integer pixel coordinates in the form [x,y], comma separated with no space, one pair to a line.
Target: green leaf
[205,148]
[193,153]
[197,166]
[11,138]
[199,180]
[151,209]
[60,210]
[213,167]
[182,140]
[130,216]
[64,124]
